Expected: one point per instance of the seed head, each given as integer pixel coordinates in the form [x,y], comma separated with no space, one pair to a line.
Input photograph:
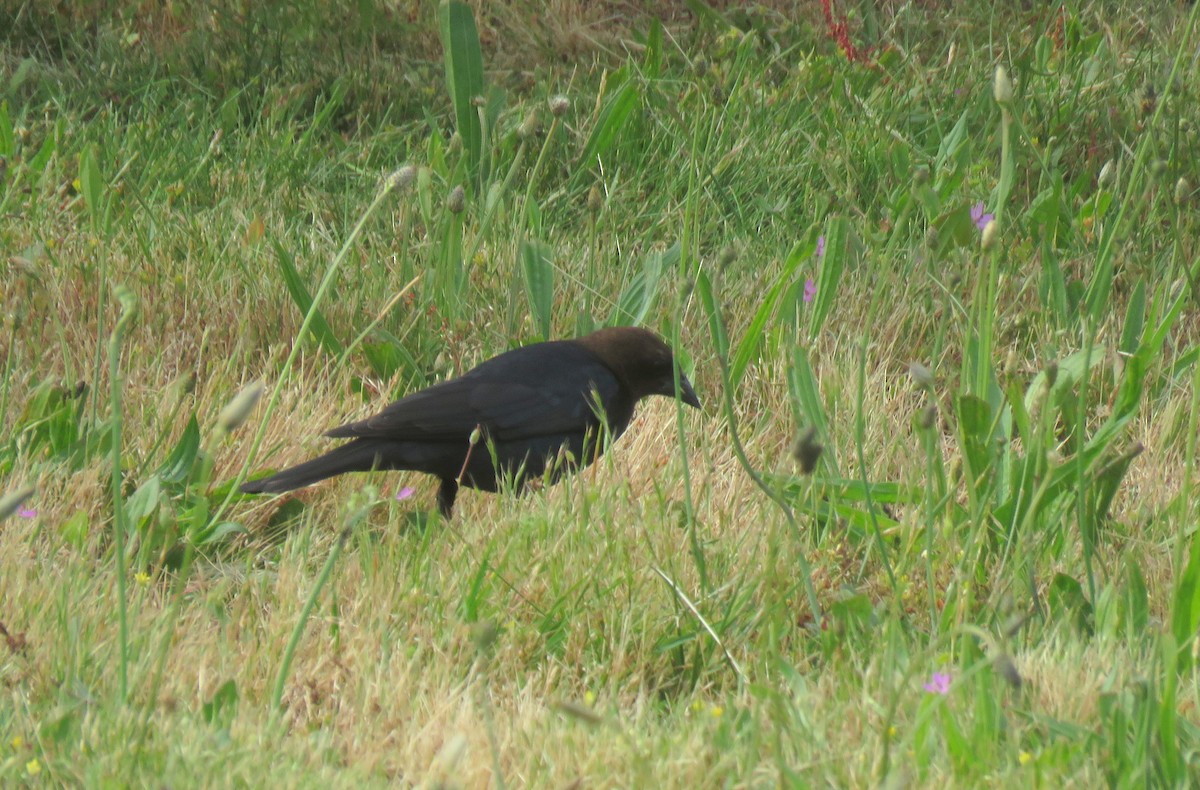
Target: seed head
[559,105]
[457,201]
[807,450]
[1182,191]
[922,375]
[529,127]
[579,711]
[1002,87]
[402,177]
[238,409]
[484,635]
[1005,668]
[1051,373]
[1149,100]
[595,199]
[991,235]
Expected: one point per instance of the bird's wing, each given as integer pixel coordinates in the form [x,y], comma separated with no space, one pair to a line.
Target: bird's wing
[513,396]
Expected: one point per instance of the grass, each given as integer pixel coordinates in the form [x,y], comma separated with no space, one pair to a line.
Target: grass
[986,572]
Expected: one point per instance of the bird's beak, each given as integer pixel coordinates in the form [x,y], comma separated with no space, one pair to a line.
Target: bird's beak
[686,393]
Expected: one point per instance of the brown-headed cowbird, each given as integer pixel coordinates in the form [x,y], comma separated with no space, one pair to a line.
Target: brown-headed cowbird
[538,410]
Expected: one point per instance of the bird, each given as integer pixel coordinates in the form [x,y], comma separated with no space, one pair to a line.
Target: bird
[536,412]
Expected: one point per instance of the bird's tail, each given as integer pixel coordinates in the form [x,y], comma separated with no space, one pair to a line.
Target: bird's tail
[357,456]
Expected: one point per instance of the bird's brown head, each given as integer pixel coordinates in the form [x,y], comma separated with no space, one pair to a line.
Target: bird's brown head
[640,360]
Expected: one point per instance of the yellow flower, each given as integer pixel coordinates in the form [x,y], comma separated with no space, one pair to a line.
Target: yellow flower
[142,578]
[33,767]
[1025,758]
[590,697]
[17,742]
[717,711]
[891,732]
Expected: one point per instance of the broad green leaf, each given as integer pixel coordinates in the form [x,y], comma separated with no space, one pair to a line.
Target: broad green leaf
[75,529]
[654,47]
[144,500]
[37,165]
[179,464]
[221,531]
[975,429]
[1067,599]
[807,406]
[1137,599]
[1069,371]
[638,295]
[386,355]
[1185,610]
[221,707]
[1135,318]
[951,143]
[91,183]
[614,113]
[837,237]
[1108,481]
[537,263]
[752,339]
[7,140]
[464,75]
[303,301]
[716,325]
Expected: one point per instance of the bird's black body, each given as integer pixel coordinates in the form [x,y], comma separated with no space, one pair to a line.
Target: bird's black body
[535,407]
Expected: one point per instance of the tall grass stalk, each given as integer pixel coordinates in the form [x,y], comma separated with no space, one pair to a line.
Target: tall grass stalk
[128,302]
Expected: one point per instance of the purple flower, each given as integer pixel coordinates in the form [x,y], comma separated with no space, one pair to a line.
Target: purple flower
[404,493]
[939,683]
[820,246]
[27,512]
[979,217]
[810,290]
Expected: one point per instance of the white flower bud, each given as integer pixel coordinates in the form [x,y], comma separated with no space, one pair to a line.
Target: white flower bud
[1002,87]
[991,234]
[238,409]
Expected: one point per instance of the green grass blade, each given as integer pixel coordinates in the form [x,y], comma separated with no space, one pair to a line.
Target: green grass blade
[6,131]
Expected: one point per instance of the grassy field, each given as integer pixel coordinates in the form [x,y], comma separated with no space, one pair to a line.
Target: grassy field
[933,268]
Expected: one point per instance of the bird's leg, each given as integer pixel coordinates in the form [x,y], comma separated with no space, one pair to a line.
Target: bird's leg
[471,442]
[447,492]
